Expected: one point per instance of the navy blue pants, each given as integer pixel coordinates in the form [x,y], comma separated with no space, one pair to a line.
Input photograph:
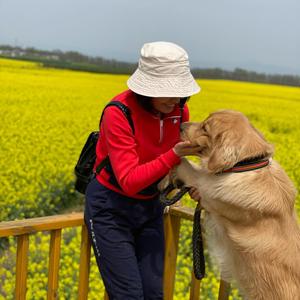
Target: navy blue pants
[128,241]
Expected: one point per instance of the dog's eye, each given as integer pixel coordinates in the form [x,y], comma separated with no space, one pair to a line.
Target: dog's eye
[204,128]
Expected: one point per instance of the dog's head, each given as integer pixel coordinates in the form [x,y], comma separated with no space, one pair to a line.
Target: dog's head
[226,137]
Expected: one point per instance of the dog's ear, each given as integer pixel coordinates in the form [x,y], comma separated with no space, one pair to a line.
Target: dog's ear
[235,143]
[224,153]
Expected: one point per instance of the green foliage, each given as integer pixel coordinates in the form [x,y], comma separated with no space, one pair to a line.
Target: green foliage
[46,116]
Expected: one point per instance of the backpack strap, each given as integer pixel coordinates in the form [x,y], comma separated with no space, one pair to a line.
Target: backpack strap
[126,111]
[103,163]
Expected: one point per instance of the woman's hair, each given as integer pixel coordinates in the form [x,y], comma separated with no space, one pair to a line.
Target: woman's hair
[146,103]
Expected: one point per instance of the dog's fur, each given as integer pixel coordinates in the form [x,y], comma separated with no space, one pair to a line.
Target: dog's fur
[250,219]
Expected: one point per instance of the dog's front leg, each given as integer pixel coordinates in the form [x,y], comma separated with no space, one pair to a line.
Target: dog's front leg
[162,185]
[173,176]
[185,173]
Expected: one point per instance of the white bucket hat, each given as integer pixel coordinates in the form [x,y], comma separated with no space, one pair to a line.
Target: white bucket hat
[163,71]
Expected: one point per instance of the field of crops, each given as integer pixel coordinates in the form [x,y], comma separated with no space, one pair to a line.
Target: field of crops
[46,115]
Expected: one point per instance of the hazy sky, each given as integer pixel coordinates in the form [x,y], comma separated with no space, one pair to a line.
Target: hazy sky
[262,35]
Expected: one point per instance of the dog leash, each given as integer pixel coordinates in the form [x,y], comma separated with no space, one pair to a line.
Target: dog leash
[197,241]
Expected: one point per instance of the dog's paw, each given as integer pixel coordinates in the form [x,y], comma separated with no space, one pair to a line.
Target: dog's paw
[171,178]
[162,185]
[176,182]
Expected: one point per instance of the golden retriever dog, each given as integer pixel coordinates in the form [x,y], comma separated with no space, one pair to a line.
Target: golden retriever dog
[250,221]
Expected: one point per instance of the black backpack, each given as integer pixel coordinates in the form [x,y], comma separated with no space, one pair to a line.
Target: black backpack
[84,168]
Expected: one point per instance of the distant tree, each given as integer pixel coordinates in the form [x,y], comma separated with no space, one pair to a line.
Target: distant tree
[77,61]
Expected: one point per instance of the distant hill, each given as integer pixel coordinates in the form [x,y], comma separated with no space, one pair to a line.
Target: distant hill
[76,61]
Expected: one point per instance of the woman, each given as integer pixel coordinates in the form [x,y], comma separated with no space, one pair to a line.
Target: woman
[123,213]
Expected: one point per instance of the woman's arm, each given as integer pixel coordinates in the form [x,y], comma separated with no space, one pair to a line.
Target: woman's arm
[121,144]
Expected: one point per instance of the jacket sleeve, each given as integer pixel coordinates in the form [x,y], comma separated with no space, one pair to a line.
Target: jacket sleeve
[121,145]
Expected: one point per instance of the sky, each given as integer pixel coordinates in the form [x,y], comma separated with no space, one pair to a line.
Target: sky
[258,35]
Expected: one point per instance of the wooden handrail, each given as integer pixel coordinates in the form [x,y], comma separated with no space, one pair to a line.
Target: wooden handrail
[23,228]
[19,227]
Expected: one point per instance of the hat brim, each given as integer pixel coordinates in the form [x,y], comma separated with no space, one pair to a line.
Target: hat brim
[155,86]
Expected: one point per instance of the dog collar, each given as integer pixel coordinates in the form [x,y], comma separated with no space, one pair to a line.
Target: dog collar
[248,165]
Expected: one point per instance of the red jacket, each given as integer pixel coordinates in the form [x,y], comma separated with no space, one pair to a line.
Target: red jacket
[141,158]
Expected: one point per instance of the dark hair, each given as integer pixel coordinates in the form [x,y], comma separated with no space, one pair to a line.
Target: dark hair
[146,103]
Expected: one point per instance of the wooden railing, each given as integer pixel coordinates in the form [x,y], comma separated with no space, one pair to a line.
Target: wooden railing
[22,229]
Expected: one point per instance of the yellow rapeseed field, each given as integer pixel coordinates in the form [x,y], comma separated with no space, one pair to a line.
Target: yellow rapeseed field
[46,115]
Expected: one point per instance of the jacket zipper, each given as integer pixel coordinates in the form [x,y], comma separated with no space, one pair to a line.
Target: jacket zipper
[161,126]
[161,130]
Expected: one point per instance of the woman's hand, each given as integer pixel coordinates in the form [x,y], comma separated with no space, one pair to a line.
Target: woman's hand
[195,194]
[185,149]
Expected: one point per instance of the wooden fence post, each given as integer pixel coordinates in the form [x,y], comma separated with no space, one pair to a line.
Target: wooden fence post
[84,268]
[54,256]
[172,228]
[195,288]
[224,290]
[21,267]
